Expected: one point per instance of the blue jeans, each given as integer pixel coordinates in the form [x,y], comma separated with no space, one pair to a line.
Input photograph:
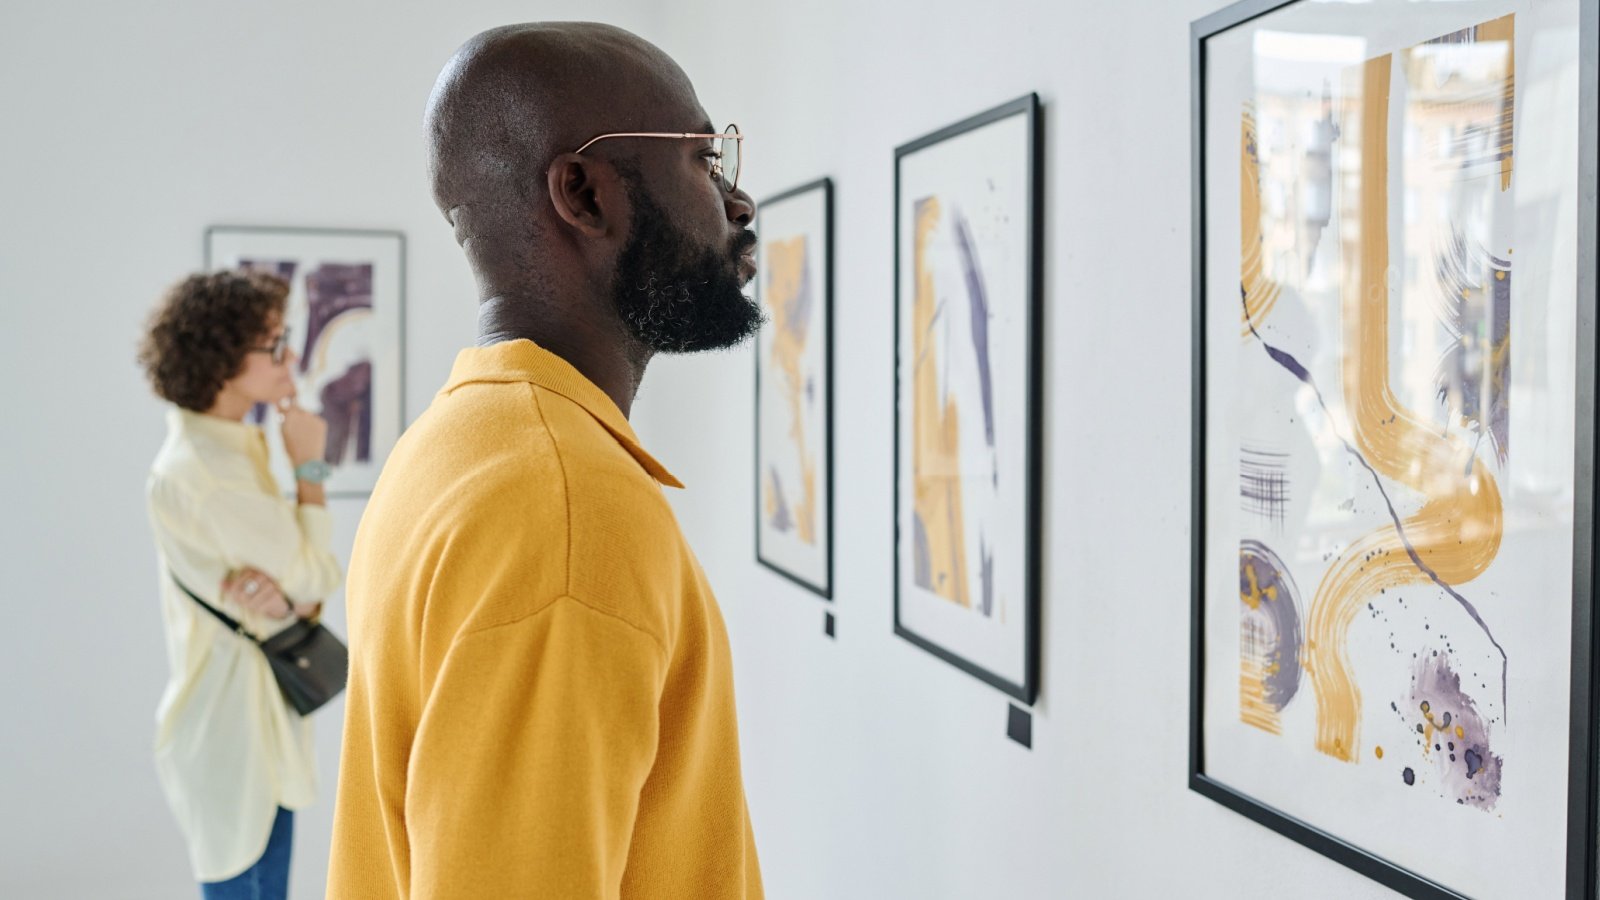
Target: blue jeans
[268,879]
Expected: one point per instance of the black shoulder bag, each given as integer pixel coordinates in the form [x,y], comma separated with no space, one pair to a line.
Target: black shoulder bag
[310,663]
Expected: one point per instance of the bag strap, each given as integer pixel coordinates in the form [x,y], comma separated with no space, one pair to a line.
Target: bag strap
[227,621]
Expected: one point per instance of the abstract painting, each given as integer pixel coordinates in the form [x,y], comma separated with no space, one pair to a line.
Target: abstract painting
[1388,410]
[346,320]
[794,387]
[968,307]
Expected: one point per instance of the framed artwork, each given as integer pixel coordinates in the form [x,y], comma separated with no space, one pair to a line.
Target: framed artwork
[346,319]
[968,326]
[794,387]
[1394,323]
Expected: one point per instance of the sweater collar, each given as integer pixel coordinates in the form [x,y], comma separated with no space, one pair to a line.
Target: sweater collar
[524,361]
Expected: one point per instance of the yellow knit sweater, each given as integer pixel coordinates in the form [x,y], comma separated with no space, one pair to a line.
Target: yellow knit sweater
[541,690]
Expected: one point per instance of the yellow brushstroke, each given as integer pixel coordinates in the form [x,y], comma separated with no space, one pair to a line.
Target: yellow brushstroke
[1253,706]
[1457,531]
[1255,595]
[936,432]
[785,263]
[1260,292]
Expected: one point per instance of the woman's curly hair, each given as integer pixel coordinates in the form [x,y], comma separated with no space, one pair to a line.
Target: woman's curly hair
[203,329]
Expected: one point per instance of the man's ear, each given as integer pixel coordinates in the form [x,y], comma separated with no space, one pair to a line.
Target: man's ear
[582,192]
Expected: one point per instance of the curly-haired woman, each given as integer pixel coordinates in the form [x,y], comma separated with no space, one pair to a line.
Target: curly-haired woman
[233,756]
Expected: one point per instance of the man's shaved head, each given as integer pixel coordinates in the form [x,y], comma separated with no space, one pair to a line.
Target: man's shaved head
[513,97]
[630,247]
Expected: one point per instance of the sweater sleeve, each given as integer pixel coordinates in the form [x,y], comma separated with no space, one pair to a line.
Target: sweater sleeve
[535,741]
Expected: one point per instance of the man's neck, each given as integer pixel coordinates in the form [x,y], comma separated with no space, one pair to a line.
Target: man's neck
[598,352]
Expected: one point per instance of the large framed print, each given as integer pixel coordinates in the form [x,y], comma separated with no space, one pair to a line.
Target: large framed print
[1394,321]
[968,329]
[794,387]
[346,320]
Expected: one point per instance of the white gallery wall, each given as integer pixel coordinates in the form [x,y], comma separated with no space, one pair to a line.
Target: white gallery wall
[125,130]
[874,770]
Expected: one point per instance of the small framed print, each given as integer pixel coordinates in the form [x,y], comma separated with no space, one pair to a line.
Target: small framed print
[968,357]
[794,387]
[346,320]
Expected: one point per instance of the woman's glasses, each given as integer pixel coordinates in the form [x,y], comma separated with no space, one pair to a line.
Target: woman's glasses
[279,348]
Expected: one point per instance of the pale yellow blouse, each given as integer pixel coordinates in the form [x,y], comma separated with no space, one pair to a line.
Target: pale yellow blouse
[229,750]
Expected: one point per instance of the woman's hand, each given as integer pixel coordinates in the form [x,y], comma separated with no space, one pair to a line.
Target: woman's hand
[254,590]
[305,434]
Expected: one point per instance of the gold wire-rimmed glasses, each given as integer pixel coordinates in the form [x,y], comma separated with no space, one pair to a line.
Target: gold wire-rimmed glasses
[728,147]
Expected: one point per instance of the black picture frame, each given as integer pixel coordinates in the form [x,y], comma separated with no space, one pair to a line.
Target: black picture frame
[1027,690]
[824,590]
[1582,856]
[399,237]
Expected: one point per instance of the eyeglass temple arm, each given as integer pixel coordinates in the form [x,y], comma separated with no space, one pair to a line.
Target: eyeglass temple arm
[659,134]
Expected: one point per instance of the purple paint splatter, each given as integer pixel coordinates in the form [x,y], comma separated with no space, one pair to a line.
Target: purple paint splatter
[1455,735]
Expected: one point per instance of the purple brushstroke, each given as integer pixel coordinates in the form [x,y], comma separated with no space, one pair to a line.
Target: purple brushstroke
[977,296]
[781,519]
[283,268]
[1304,376]
[1468,35]
[332,290]
[1469,771]
[798,320]
[1274,622]
[347,407]
[985,576]
[1499,343]
[921,555]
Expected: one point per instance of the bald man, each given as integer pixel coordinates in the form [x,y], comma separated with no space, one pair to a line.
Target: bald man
[541,690]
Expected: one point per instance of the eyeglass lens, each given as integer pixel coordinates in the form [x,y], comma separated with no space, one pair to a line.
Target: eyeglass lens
[729,148]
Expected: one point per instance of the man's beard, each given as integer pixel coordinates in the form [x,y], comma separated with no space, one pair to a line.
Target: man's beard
[676,297]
